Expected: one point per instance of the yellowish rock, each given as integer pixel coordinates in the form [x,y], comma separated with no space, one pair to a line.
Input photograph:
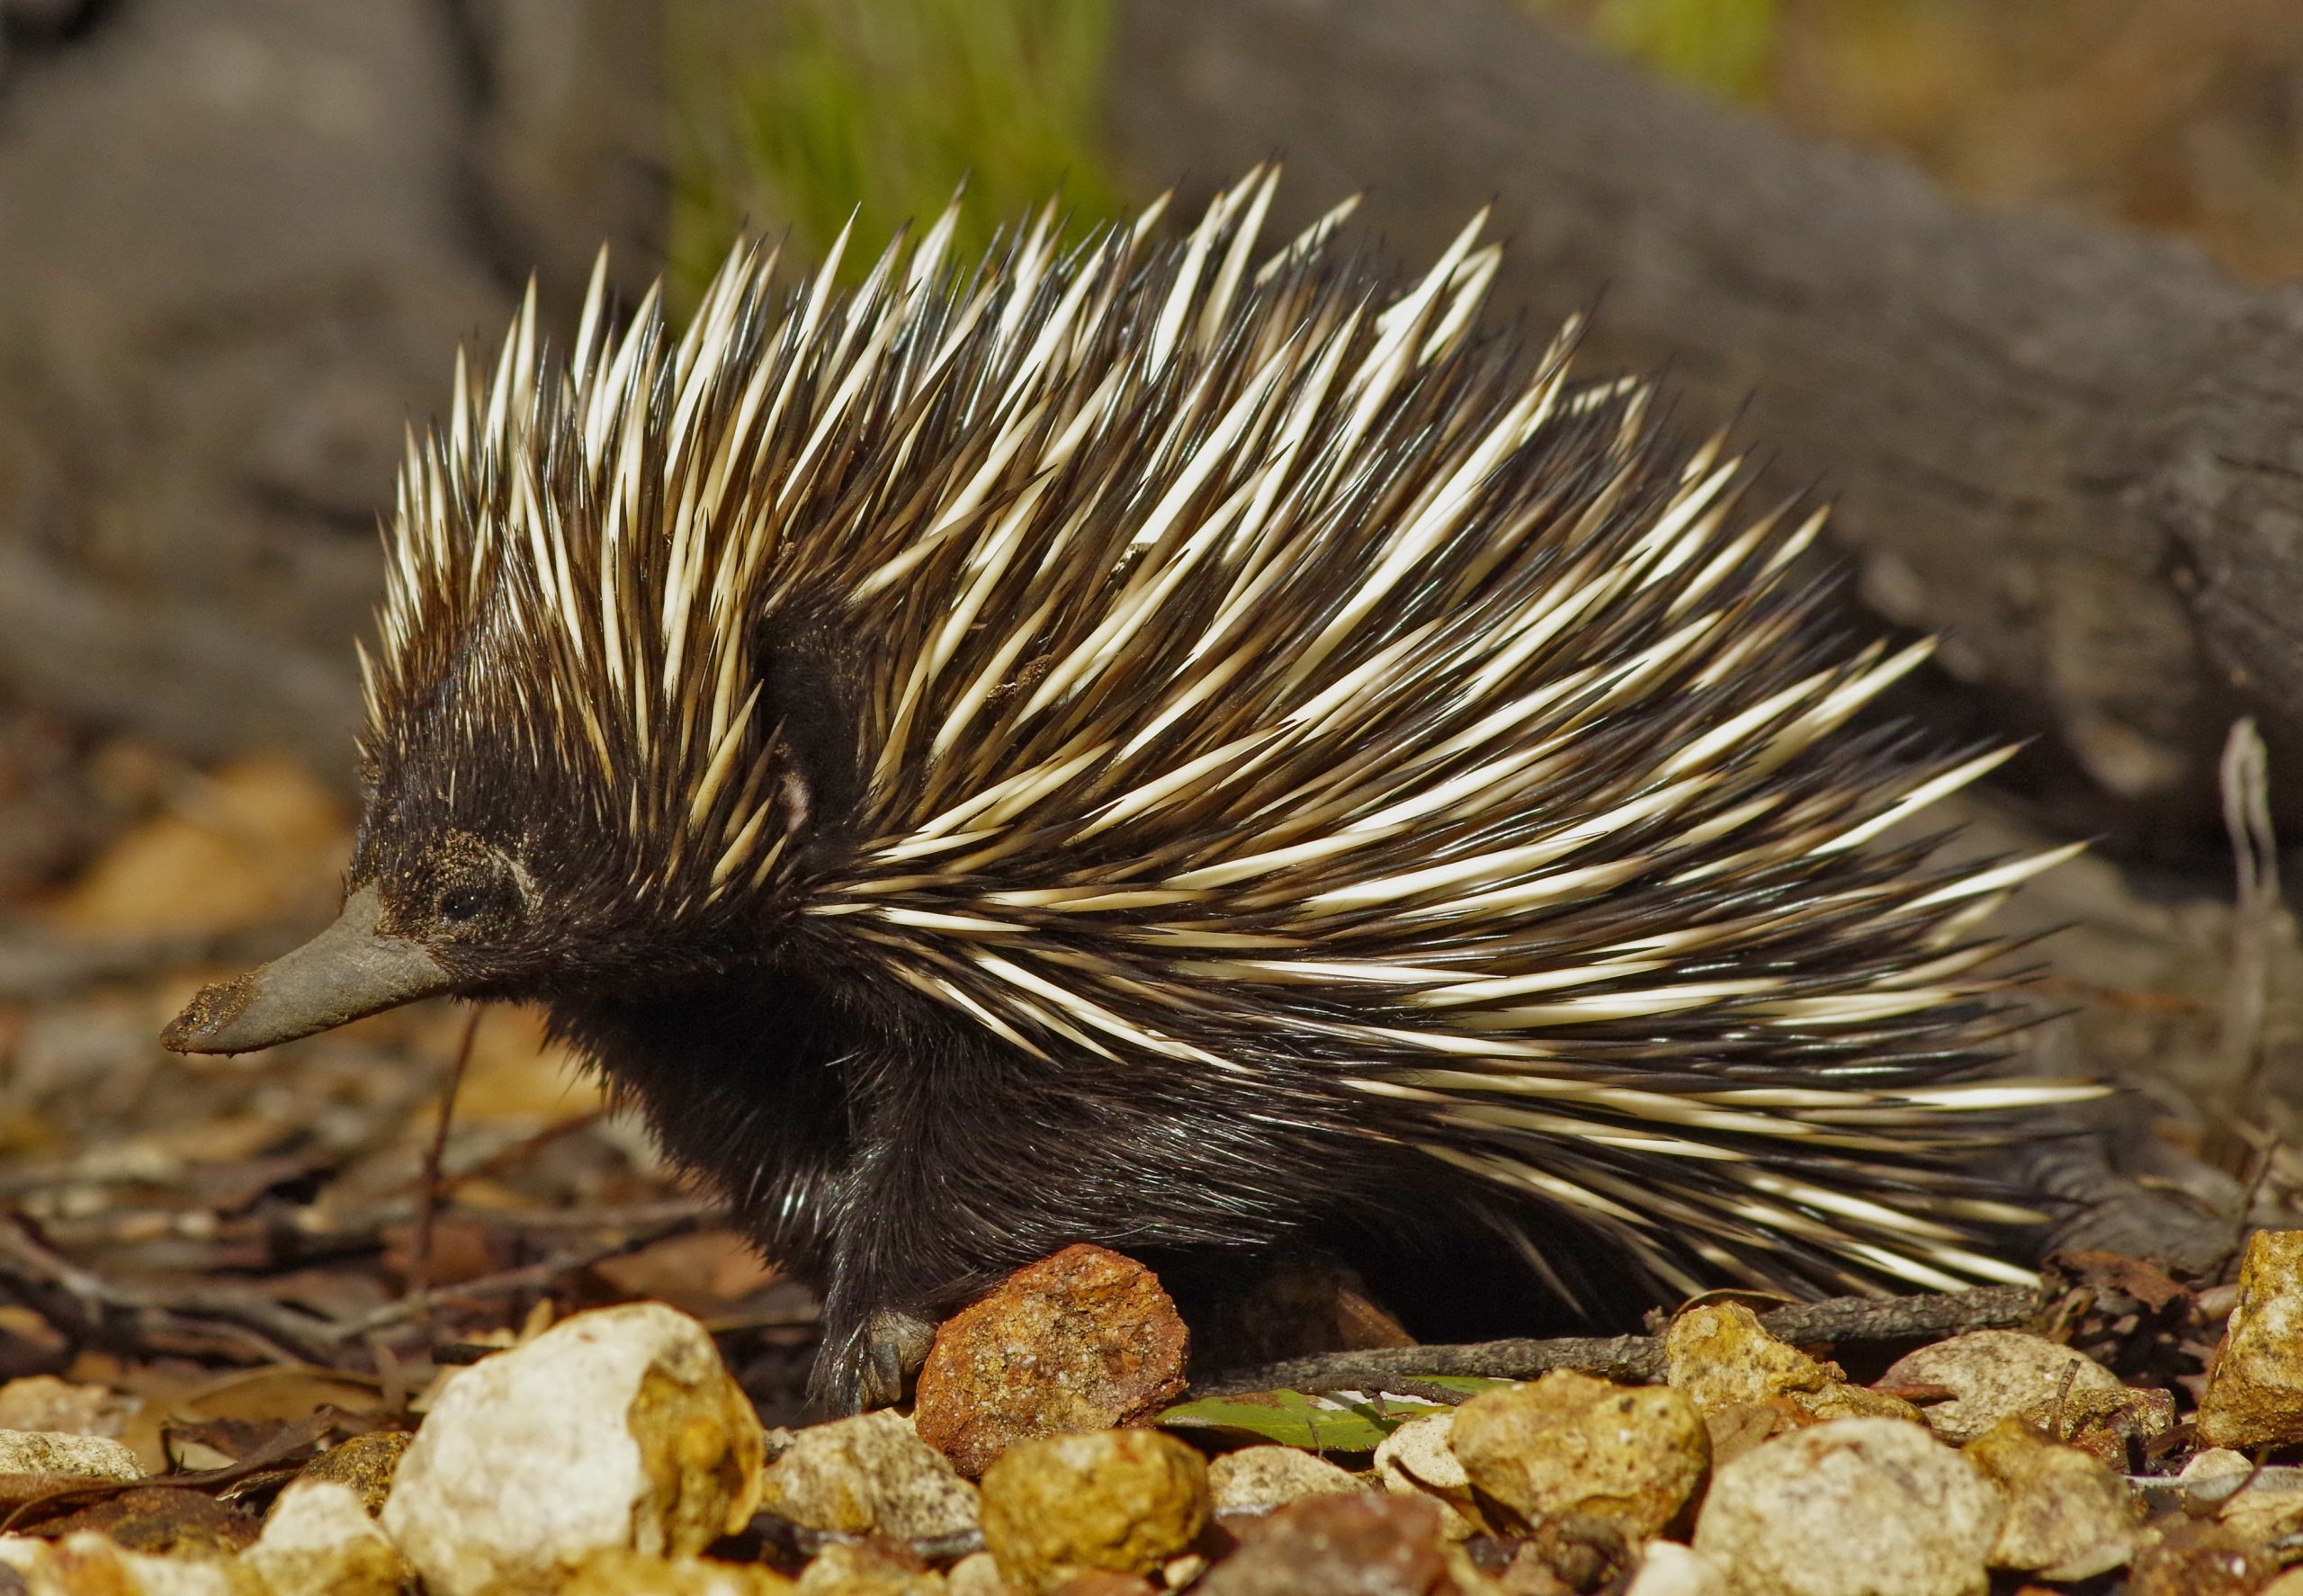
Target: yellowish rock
[1272,1476]
[1840,1400]
[1854,1507]
[363,1464]
[1719,1354]
[1999,1374]
[1121,1500]
[92,1457]
[861,1569]
[1568,1443]
[2255,1389]
[870,1475]
[1720,1357]
[977,1575]
[318,1541]
[2068,1517]
[614,1428]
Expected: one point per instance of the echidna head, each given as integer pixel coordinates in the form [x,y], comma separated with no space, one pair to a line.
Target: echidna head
[576,769]
[490,866]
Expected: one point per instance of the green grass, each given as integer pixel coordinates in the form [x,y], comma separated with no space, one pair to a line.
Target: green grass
[1725,46]
[799,114]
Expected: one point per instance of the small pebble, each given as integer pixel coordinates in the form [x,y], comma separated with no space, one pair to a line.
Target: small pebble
[45,1403]
[1363,1544]
[977,1575]
[619,1427]
[2068,1517]
[2214,1461]
[2254,1388]
[1103,1582]
[319,1540]
[1854,1507]
[615,1572]
[1998,1373]
[84,1457]
[1720,1354]
[871,1474]
[1273,1477]
[1086,1340]
[1722,1358]
[859,1568]
[364,1462]
[2103,1425]
[1121,1500]
[1416,1459]
[1667,1568]
[1569,1443]
[2186,1557]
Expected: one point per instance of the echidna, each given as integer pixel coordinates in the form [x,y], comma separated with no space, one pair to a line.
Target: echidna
[1175,747]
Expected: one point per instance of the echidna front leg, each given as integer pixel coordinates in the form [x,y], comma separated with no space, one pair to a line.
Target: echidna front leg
[967,1160]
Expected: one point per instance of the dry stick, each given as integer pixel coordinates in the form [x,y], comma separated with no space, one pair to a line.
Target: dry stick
[526,1278]
[64,1292]
[1634,1358]
[2254,849]
[427,1206]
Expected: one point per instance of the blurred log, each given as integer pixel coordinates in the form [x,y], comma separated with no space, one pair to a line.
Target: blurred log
[241,240]
[2076,450]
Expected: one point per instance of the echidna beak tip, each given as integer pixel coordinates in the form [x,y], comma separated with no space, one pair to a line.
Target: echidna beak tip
[346,972]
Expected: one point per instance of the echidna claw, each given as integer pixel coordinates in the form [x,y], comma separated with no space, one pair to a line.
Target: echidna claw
[894,1346]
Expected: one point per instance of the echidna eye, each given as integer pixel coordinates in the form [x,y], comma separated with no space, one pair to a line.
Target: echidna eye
[460,904]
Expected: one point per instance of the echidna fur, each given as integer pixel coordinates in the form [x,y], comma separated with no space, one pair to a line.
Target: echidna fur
[1194,749]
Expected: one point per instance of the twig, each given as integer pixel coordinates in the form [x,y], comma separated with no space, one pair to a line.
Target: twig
[509,1282]
[514,1154]
[1633,1357]
[79,1297]
[2254,851]
[427,1202]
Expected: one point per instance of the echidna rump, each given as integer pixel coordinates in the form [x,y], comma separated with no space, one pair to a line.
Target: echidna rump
[1172,746]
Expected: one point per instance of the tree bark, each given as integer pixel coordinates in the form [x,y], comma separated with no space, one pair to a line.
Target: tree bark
[2072,449]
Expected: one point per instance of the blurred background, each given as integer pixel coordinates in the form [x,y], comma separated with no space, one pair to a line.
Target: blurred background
[1930,255]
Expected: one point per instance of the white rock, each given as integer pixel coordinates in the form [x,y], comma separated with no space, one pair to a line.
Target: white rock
[2215,1463]
[2068,1517]
[1272,1476]
[43,1402]
[319,1541]
[1416,1456]
[1667,1568]
[1855,1507]
[1994,1375]
[92,1565]
[618,1428]
[49,1451]
[871,1474]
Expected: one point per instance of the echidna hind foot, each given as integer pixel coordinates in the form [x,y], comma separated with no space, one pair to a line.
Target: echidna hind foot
[1188,744]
